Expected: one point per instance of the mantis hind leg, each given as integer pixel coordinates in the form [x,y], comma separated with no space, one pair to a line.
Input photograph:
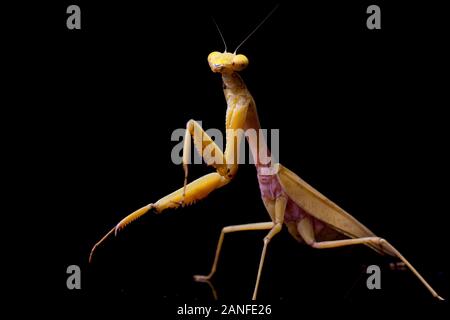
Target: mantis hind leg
[194,191]
[306,230]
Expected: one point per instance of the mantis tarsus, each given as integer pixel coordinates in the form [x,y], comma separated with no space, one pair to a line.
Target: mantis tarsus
[310,217]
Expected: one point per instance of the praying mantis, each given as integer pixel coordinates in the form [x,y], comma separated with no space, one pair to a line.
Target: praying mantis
[309,216]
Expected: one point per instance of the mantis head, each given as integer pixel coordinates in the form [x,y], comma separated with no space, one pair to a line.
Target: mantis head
[226,62]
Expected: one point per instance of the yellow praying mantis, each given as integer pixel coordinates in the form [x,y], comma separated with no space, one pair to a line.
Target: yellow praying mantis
[309,216]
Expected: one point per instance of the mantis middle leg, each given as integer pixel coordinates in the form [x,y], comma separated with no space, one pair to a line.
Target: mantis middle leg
[306,230]
[229,229]
[278,217]
[278,207]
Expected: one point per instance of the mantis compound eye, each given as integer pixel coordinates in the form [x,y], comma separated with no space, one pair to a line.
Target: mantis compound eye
[240,62]
[213,56]
[213,61]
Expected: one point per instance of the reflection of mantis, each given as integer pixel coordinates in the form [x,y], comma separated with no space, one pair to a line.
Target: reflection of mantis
[309,216]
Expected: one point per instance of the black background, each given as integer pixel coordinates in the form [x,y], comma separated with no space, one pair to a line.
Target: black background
[361,115]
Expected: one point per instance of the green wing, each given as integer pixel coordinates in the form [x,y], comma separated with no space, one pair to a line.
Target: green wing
[322,208]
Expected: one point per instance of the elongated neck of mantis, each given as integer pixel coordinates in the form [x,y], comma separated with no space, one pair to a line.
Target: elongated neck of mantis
[254,135]
[258,147]
[233,81]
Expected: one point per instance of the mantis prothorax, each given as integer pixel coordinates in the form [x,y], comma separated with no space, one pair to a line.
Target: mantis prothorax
[309,216]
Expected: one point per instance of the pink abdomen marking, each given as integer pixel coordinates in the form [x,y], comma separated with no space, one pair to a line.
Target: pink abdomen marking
[271,189]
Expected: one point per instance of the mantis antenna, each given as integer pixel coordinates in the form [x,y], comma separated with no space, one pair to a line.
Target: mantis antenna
[221,35]
[257,27]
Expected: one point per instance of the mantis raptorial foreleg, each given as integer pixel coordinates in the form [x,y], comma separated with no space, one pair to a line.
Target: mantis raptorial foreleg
[207,148]
[189,193]
[306,230]
[201,187]
[194,191]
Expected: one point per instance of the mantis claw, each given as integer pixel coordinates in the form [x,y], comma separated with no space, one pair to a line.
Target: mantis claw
[178,203]
[117,229]
[132,217]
